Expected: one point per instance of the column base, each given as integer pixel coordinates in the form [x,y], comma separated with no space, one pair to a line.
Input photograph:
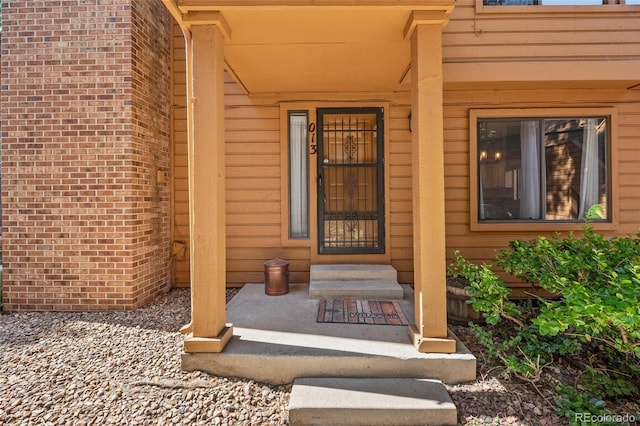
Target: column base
[208,344]
[431,344]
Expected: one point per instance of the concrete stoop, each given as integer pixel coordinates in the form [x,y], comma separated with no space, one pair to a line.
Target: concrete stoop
[277,339]
[372,282]
[370,402]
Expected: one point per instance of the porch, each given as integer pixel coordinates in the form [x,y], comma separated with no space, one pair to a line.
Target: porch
[277,339]
[266,36]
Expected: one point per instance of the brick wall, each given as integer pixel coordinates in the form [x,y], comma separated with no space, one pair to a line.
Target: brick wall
[150,145]
[85,144]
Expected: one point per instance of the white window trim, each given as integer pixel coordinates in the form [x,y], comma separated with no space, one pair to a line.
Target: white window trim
[475,114]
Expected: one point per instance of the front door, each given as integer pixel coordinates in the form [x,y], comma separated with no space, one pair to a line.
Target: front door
[350,180]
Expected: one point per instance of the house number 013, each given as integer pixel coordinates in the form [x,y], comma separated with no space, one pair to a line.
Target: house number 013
[313,148]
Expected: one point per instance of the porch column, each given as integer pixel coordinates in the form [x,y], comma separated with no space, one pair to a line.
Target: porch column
[429,333]
[205,76]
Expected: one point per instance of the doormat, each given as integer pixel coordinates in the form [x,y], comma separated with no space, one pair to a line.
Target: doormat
[352,311]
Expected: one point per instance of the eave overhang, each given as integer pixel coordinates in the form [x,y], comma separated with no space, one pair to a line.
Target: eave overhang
[314,45]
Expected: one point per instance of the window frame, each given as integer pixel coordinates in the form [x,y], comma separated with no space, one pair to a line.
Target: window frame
[539,113]
[305,151]
[285,238]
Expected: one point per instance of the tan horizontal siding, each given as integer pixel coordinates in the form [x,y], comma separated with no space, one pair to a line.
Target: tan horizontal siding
[253,173]
[400,222]
[254,167]
[180,201]
[481,246]
[464,18]
[533,34]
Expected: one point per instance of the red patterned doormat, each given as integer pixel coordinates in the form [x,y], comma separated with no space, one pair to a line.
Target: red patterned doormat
[352,311]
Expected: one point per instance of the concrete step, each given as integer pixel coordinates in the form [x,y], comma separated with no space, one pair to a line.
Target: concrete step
[366,290]
[360,281]
[370,402]
[353,272]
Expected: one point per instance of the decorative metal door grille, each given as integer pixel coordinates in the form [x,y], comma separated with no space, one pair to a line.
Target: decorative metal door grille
[350,180]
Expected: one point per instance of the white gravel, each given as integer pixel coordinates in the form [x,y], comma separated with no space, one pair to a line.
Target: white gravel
[119,368]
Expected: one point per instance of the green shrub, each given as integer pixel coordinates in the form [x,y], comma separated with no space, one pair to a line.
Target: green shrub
[596,311]
[597,279]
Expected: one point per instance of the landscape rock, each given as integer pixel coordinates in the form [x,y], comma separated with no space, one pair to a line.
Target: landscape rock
[118,368]
[123,368]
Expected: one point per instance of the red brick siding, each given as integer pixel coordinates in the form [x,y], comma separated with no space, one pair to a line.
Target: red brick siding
[84,220]
[151,126]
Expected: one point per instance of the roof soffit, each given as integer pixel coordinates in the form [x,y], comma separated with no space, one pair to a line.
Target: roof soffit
[316,45]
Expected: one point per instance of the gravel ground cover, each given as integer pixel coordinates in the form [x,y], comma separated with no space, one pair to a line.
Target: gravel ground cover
[120,368]
[497,399]
[123,368]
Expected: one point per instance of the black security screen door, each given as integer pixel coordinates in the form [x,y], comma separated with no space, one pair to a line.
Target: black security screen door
[350,180]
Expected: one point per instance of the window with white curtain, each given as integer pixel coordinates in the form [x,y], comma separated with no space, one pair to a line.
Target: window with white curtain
[543,169]
[298,175]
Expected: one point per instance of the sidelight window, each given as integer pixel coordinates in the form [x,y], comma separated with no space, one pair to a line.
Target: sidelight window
[298,175]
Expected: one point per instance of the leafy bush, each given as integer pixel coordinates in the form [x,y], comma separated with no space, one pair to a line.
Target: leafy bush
[596,311]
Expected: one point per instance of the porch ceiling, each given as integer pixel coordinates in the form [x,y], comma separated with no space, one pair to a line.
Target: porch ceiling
[314,45]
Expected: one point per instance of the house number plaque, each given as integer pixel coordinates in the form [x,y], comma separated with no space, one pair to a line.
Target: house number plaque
[313,147]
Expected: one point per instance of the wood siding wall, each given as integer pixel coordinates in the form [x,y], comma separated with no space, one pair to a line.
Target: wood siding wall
[253,136]
[179,172]
[541,33]
[542,53]
[253,186]
[481,246]
[253,191]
